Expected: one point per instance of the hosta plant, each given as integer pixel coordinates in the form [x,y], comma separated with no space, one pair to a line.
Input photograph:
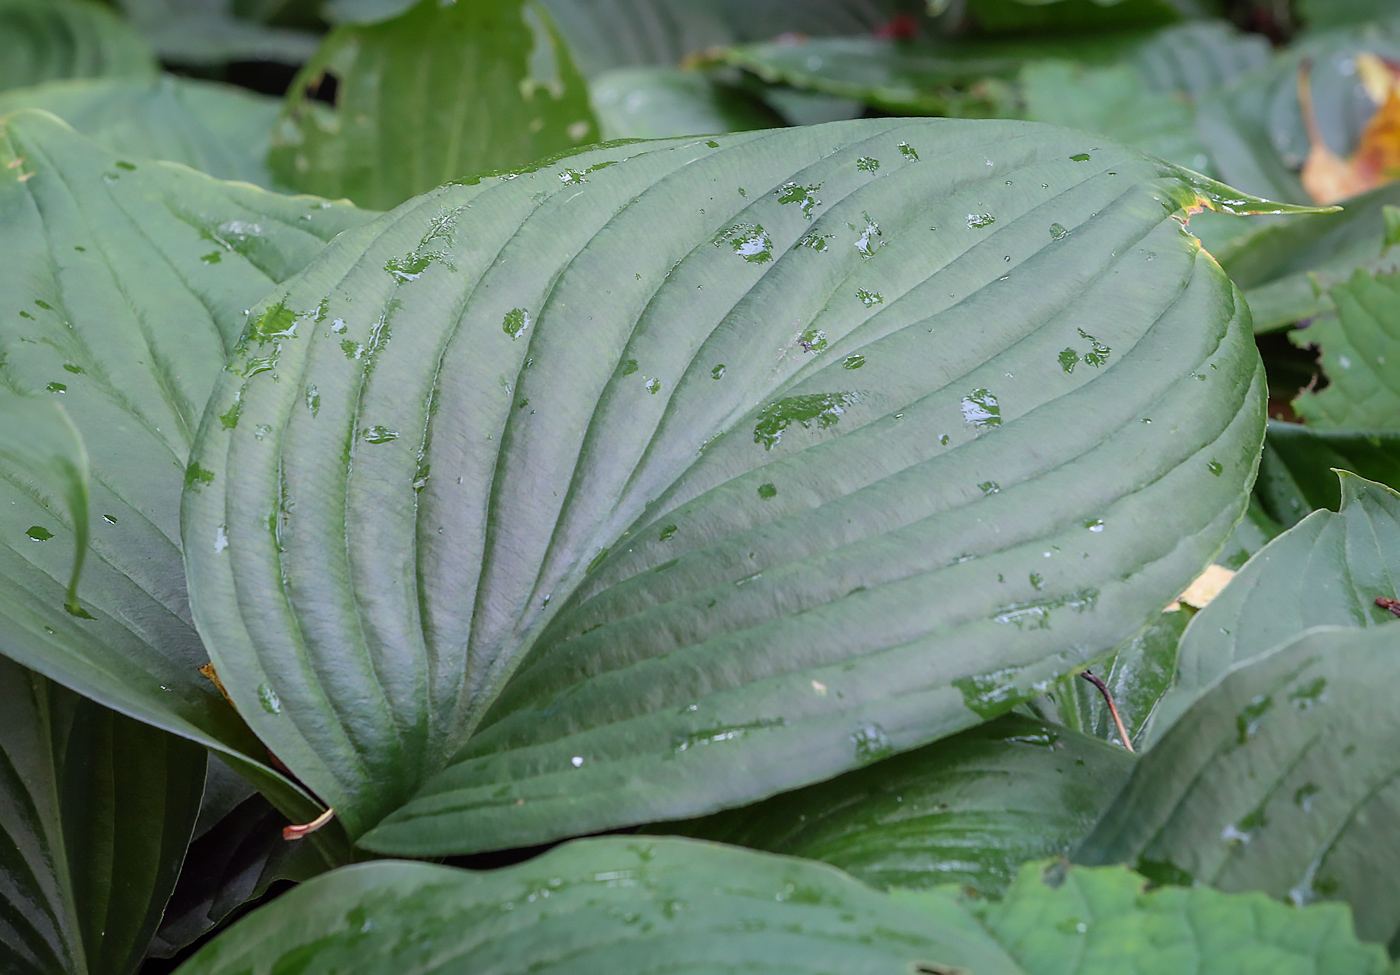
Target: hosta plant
[768,489]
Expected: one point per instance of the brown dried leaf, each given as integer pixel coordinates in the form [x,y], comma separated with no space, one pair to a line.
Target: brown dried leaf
[1326,176]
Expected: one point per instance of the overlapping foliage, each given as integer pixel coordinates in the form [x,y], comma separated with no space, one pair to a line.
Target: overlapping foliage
[769,483]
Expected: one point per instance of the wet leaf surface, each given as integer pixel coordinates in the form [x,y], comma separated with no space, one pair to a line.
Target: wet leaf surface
[581,480]
[597,907]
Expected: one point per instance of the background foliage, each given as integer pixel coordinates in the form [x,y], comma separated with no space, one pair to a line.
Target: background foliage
[397,447]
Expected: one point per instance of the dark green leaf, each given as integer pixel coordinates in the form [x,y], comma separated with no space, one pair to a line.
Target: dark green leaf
[771,461]
[1328,570]
[1070,15]
[1244,126]
[658,103]
[1296,475]
[224,791]
[218,129]
[606,34]
[231,863]
[934,76]
[1155,71]
[753,20]
[1259,528]
[95,813]
[202,32]
[968,810]
[126,283]
[1361,356]
[1390,216]
[1318,14]
[41,40]
[603,907]
[438,94]
[1284,778]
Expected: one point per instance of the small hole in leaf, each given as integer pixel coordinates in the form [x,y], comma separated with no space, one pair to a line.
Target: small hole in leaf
[326,88]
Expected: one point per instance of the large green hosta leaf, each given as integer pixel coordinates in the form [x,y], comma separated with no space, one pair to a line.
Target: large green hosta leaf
[218,129]
[126,282]
[41,40]
[602,907]
[665,477]
[968,810]
[441,93]
[1283,778]
[1328,570]
[95,813]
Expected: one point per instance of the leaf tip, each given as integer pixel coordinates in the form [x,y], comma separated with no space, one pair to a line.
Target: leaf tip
[1354,487]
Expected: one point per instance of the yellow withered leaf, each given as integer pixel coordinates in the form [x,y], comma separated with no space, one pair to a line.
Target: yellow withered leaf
[1206,587]
[1326,176]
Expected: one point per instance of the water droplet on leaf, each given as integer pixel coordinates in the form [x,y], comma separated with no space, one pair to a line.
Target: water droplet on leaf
[269,700]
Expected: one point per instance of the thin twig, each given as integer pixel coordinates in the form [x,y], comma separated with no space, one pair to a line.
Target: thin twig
[1112,708]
